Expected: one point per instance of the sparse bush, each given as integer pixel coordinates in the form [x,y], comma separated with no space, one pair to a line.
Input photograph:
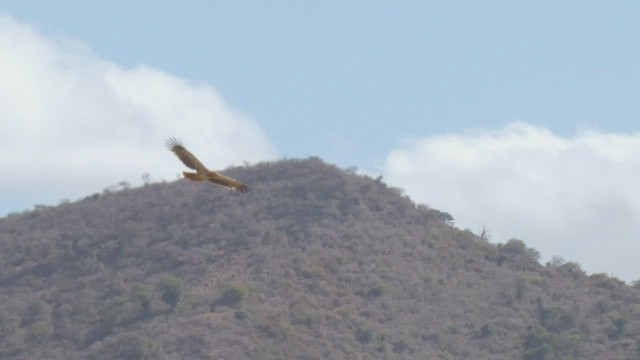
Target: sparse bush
[539,353]
[516,248]
[433,337]
[522,287]
[170,288]
[313,272]
[131,348]
[556,319]
[38,332]
[345,312]
[513,247]
[603,306]
[487,330]
[36,311]
[534,254]
[110,315]
[240,315]
[400,346]
[537,337]
[306,318]
[485,234]
[373,293]
[496,258]
[376,292]
[541,344]
[605,281]
[572,268]
[618,329]
[556,261]
[444,216]
[233,294]
[363,335]
[381,344]
[279,330]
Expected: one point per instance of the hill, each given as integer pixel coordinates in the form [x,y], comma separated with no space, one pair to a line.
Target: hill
[314,263]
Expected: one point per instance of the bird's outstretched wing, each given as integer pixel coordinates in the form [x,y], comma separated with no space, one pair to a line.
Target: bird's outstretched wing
[186,157]
[231,183]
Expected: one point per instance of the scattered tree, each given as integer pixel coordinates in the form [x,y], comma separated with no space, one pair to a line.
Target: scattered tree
[170,288]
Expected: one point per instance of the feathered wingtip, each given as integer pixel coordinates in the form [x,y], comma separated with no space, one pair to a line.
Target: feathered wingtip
[242,188]
[173,143]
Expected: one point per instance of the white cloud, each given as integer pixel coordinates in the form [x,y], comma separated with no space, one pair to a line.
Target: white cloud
[72,124]
[577,197]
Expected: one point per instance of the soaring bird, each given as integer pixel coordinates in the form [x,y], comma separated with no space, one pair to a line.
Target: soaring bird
[202,173]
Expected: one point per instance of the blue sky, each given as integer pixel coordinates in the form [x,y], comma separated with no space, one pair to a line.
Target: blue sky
[366,73]
[528,111]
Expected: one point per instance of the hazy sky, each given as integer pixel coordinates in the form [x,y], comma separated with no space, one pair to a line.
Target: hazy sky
[521,117]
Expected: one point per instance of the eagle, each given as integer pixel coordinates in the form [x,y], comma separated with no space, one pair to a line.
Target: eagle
[202,173]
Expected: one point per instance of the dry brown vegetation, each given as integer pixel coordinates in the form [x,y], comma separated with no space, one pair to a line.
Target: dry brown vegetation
[314,263]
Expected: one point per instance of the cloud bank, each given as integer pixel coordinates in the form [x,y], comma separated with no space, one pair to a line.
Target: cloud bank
[577,197]
[72,124]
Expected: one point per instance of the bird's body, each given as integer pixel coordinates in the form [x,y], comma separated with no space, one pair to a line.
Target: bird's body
[202,173]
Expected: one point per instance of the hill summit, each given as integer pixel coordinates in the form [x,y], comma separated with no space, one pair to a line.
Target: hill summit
[314,263]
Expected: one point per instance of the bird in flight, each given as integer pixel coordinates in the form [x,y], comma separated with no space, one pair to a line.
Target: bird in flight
[202,173]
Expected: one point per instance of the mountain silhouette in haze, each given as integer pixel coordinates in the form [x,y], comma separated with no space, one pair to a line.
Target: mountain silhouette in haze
[315,262]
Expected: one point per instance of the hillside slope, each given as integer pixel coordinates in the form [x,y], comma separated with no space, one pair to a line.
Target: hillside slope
[313,263]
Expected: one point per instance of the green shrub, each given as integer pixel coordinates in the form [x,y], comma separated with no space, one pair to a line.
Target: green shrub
[444,216]
[374,292]
[513,247]
[537,337]
[572,268]
[305,317]
[603,306]
[487,330]
[381,345]
[605,281]
[618,329]
[363,335]
[233,294]
[516,248]
[170,288]
[541,344]
[556,319]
